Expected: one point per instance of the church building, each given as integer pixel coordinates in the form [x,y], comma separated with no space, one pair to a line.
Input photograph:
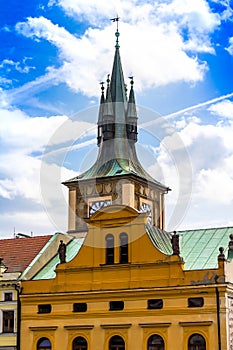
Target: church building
[123,282]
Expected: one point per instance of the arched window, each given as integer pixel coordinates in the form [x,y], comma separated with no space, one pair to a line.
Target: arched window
[109,249]
[44,344]
[155,342]
[116,343]
[123,248]
[79,343]
[196,342]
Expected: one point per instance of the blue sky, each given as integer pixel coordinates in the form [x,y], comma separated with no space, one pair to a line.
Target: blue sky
[54,54]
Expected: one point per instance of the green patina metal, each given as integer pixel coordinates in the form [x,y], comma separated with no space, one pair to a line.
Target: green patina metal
[48,271]
[117,154]
[199,249]
[160,238]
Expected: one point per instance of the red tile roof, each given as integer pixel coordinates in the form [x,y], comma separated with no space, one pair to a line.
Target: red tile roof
[17,253]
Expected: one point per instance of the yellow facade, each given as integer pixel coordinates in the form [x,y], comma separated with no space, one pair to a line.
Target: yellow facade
[149,276]
[8,315]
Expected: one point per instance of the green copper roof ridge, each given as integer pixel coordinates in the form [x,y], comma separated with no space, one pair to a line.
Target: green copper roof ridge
[205,229]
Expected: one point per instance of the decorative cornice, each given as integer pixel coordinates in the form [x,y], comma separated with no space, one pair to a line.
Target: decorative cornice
[198,323]
[79,327]
[42,328]
[118,325]
[154,324]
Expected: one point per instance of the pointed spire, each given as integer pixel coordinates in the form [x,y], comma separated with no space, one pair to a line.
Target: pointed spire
[131,110]
[108,108]
[131,119]
[117,86]
[101,111]
[108,115]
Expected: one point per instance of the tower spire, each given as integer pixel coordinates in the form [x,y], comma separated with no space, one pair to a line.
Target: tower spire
[117,158]
[117,128]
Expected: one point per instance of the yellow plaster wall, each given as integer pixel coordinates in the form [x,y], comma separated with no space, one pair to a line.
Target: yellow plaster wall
[149,274]
[135,323]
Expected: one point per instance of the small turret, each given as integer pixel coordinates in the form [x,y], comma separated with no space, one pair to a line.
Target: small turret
[100,117]
[131,116]
[108,116]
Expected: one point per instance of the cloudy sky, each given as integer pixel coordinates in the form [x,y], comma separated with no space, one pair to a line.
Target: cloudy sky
[53,56]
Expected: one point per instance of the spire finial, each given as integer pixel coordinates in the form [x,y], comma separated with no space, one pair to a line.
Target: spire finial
[108,79]
[131,81]
[117,34]
[102,87]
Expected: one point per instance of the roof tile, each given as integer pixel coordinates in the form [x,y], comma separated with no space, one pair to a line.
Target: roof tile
[17,253]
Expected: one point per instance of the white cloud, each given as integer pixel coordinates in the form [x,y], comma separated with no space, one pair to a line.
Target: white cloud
[193,16]
[33,220]
[27,135]
[176,27]
[196,15]
[142,32]
[210,149]
[21,176]
[20,67]
[230,47]
[196,18]
[223,109]
[215,184]
[23,141]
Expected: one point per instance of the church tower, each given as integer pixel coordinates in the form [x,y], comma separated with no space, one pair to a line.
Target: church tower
[117,177]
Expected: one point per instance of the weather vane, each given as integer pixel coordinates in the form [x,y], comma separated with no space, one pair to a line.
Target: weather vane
[116,19]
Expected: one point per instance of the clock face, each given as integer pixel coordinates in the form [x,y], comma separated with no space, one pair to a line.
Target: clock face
[146,208]
[94,206]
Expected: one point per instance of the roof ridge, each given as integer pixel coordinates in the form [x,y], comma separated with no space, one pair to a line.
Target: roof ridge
[205,229]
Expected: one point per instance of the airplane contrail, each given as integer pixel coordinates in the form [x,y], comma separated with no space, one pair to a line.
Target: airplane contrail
[191,108]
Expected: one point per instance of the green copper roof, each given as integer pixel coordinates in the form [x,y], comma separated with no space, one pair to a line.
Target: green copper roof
[198,248]
[114,167]
[48,271]
[37,257]
[160,238]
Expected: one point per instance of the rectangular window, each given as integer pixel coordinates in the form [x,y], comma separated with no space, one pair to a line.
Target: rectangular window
[195,302]
[116,305]
[44,308]
[8,322]
[79,307]
[8,296]
[155,304]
